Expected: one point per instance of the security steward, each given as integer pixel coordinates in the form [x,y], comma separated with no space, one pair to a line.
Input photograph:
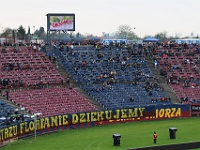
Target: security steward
[154,137]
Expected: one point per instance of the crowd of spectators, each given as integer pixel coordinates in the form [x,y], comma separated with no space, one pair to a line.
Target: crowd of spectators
[180,64]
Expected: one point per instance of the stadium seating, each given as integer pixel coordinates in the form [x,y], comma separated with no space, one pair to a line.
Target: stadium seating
[35,84]
[119,96]
[10,115]
[29,68]
[182,67]
[114,77]
[51,101]
[91,72]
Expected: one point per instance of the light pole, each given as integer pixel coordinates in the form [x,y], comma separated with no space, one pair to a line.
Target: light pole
[16,40]
[34,34]
[35,124]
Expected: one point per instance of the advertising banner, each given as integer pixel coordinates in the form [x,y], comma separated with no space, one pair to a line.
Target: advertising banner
[195,109]
[65,22]
[87,119]
[61,22]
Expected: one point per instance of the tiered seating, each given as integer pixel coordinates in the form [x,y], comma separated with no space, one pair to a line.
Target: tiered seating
[52,101]
[92,72]
[32,69]
[119,96]
[10,115]
[27,68]
[182,67]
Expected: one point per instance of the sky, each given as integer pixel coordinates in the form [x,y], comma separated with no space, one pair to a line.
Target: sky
[148,17]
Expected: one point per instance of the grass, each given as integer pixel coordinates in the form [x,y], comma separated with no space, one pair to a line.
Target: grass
[135,134]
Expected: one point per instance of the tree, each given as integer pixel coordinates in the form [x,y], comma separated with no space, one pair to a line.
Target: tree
[71,35]
[125,32]
[162,36]
[7,32]
[29,31]
[40,33]
[79,36]
[132,36]
[21,33]
[13,35]
[146,36]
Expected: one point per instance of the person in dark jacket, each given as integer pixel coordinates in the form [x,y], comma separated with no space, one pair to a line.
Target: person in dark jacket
[154,137]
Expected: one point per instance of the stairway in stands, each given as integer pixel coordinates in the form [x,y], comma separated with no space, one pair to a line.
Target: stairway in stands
[66,76]
[163,81]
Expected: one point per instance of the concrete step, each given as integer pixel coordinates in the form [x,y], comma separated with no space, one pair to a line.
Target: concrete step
[73,84]
[163,81]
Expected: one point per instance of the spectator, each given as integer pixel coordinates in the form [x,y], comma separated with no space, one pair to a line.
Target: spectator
[131,99]
[34,48]
[155,64]
[7,94]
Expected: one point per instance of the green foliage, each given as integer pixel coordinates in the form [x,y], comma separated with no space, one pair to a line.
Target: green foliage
[134,134]
[125,32]
[21,32]
[6,32]
[40,33]
[162,36]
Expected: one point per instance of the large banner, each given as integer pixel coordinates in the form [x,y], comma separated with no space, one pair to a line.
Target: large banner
[87,119]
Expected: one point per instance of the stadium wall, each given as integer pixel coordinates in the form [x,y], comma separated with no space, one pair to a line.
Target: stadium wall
[88,119]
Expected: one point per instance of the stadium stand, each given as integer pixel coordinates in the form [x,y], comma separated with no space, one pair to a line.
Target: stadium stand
[10,115]
[115,77]
[30,80]
[180,65]
[51,101]
[22,66]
